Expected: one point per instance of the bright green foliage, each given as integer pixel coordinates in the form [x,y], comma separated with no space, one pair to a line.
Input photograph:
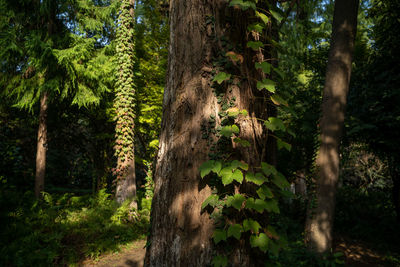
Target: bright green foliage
[235,230]
[47,47]
[251,225]
[261,241]
[124,102]
[151,49]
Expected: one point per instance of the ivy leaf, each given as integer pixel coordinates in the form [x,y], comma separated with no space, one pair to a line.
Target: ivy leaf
[259,205]
[257,27]
[264,192]
[235,201]
[228,130]
[211,200]
[219,235]
[277,100]
[266,68]
[239,164]
[272,206]
[221,76]
[220,261]
[255,45]
[282,144]
[226,175]
[249,203]
[274,124]
[206,168]
[260,241]
[257,179]
[266,84]
[238,176]
[268,169]
[217,166]
[276,15]
[251,225]
[280,181]
[263,17]
[235,230]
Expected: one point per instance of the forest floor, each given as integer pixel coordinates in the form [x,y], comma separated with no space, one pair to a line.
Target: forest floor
[356,254]
[131,256]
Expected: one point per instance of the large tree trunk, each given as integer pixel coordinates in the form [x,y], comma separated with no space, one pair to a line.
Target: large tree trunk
[41,146]
[180,232]
[126,180]
[320,220]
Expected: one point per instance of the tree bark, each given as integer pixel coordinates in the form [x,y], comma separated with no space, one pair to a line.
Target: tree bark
[320,218]
[180,233]
[41,146]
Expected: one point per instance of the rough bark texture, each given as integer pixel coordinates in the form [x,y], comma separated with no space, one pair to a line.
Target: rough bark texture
[41,146]
[180,232]
[126,186]
[320,220]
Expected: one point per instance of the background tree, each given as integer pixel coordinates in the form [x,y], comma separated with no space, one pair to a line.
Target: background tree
[320,223]
[125,105]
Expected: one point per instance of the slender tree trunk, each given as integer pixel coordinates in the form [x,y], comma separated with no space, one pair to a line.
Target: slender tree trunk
[180,233]
[320,220]
[41,146]
[126,176]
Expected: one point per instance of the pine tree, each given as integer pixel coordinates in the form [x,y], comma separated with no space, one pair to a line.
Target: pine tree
[54,50]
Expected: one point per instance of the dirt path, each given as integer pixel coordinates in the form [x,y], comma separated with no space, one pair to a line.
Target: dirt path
[129,257]
[356,254]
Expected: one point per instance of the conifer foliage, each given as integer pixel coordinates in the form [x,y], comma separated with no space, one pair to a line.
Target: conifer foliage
[124,104]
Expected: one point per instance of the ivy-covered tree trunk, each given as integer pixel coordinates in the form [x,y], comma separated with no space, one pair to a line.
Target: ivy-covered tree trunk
[321,214]
[201,35]
[41,146]
[124,105]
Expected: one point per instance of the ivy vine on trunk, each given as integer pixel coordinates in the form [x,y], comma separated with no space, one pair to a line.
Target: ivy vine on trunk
[124,106]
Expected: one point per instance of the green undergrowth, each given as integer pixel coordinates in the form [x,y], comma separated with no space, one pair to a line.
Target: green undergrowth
[65,229]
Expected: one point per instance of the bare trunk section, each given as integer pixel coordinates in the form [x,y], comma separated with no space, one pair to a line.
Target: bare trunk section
[320,220]
[41,146]
[126,186]
[180,233]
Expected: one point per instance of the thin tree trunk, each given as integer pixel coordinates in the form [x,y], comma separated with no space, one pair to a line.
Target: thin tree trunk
[41,146]
[320,218]
[180,233]
[126,181]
